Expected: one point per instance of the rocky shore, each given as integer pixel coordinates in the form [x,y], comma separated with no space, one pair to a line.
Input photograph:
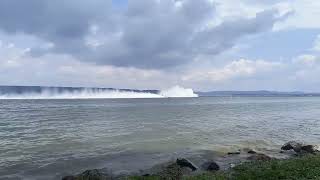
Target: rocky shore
[297,160]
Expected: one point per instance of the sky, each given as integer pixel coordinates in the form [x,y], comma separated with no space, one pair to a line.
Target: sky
[155,44]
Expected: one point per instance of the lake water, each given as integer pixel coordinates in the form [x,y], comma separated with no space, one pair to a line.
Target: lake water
[46,139]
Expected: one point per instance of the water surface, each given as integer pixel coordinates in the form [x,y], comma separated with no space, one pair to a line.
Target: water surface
[45,139]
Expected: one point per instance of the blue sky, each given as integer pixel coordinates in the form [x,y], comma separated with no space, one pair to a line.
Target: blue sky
[120,3]
[156,44]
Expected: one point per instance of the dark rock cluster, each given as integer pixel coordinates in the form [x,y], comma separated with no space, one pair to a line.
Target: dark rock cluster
[186,163]
[300,148]
[183,166]
[94,174]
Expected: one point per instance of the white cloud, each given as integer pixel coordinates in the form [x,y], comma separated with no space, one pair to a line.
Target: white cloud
[305,14]
[306,71]
[235,69]
[17,67]
[307,59]
[228,9]
[207,70]
[316,45]
[147,34]
[298,74]
[242,74]
[10,55]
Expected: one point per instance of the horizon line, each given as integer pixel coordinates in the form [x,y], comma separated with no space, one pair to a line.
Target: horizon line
[143,89]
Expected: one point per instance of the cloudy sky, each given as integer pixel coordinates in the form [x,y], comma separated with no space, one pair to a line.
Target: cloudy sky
[199,44]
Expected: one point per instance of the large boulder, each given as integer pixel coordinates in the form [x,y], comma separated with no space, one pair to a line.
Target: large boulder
[186,163]
[292,145]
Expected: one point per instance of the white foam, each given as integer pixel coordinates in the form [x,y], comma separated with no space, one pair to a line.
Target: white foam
[178,91]
[52,93]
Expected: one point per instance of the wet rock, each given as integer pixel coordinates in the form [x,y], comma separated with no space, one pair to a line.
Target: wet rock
[234,153]
[69,178]
[296,146]
[94,174]
[187,171]
[251,152]
[299,147]
[259,157]
[211,166]
[186,163]
[309,149]
[172,171]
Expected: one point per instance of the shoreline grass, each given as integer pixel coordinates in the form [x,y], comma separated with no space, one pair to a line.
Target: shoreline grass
[297,168]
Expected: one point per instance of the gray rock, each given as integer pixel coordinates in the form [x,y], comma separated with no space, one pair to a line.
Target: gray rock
[259,157]
[299,147]
[296,146]
[234,153]
[186,163]
[94,174]
[69,178]
[172,171]
[252,151]
[211,166]
[309,149]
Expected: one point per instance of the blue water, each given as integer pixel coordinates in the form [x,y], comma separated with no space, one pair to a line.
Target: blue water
[46,139]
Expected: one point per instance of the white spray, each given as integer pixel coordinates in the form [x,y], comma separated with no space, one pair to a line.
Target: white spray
[52,93]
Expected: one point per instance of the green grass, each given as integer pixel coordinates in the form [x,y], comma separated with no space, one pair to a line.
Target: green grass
[307,167]
[208,176]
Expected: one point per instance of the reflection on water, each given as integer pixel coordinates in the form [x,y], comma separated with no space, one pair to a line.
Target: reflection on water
[51,137]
